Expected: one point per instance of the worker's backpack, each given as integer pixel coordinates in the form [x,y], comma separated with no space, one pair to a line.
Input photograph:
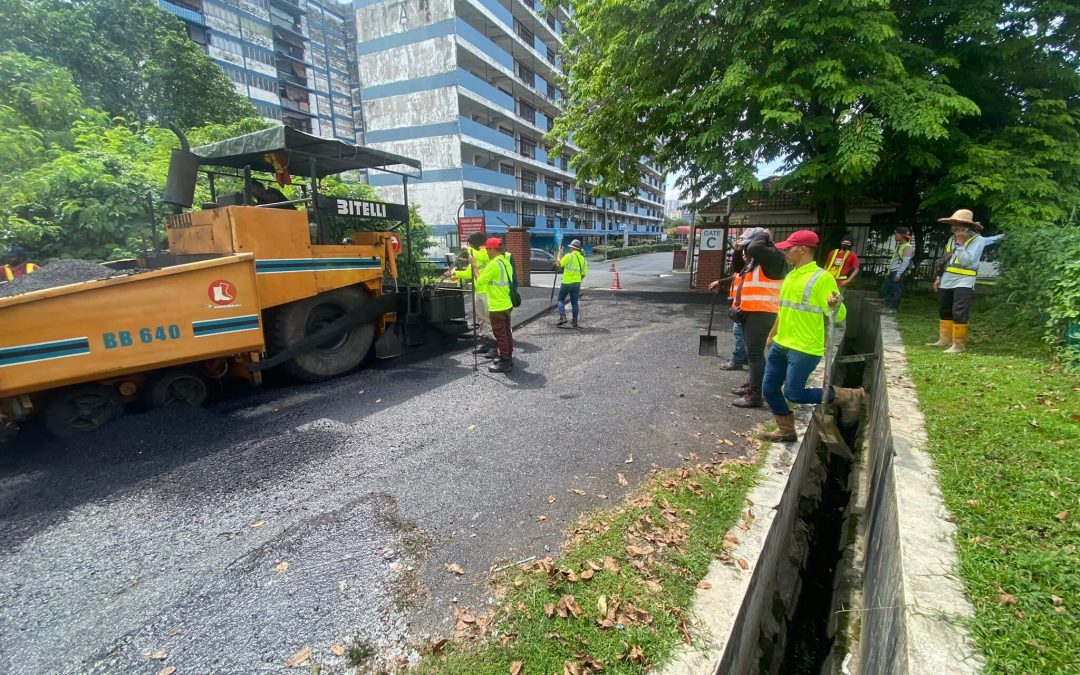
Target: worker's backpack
[515,297]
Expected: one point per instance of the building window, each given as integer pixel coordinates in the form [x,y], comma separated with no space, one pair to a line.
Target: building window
[507,206]
[507,169]
[526,110]
[525,34]
[527,147]
[528,214]
[528,183]
[526,73]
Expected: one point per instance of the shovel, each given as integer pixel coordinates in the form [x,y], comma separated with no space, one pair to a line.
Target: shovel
[707,344]
[823,416]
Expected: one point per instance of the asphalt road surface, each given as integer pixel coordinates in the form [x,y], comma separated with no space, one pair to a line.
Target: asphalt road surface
[230,537]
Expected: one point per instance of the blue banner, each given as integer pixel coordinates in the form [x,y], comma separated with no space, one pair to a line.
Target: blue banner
[558,238]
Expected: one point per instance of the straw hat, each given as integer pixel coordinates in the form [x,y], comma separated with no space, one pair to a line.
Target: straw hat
[962,217]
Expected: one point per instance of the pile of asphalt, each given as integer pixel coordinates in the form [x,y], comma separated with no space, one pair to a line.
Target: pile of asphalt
[57,273]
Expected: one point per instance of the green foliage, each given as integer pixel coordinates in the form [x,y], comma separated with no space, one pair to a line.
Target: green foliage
[1001,422]
[1042,278]
[129,58]
[934,106]
[620,251]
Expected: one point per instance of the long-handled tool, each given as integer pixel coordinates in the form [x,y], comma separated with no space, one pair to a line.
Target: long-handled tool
[823,416]
[707,342]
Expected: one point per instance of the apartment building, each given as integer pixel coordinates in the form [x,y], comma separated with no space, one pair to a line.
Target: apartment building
[291,58]
[470,88]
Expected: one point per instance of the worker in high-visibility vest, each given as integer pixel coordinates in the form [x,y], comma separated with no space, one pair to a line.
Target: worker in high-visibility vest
[842,263]
[955,281]
[495,281]
[16,265]
[797,340]
[899,264]
[574,268]
[757,301]
[474,250]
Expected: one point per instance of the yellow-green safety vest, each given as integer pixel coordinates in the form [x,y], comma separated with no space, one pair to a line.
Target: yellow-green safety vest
[496,280]
[575,267]
[803,303]
[954,266]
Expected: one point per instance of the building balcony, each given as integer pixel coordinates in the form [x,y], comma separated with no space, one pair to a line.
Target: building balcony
[290,6]
[495,179]
[485,44]
[495,220]
[486,134]
[189,15]
[486,90]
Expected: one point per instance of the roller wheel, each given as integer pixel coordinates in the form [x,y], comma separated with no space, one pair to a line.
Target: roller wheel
[75,411]
[295,321]
[177,387]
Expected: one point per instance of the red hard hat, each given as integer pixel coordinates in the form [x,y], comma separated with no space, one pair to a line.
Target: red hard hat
[800,238]
[493,242]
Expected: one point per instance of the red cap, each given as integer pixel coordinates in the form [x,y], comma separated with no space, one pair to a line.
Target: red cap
[801,238]
[494,242]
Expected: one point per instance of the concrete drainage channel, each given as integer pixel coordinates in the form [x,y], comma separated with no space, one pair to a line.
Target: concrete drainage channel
[849,562]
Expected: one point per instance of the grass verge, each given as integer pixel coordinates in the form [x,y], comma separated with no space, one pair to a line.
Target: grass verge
[617,600]
[1004,435]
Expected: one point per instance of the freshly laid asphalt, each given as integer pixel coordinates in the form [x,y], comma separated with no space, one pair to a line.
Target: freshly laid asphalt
[170,530]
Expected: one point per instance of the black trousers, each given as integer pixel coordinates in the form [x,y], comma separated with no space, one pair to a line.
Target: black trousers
[756,327]
[954,304]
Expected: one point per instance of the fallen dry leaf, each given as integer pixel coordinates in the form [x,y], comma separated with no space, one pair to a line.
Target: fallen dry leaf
[1064,515]
[577,491]
[629,459]
[551,499]
[541,518]
[1007,599]
[282,566]
[549,609]
[571,668]
[158,655]
[704,585]
[653,586]
[622,479]
[436,646]
[610,565]
[602,496]
[299,657]
[455,568]
[637,655]
[1060,609]
[743,564]
[257,524]
[167,670]
[567,606]
[727,442]
[516,666]
[639,550]
[338,650]
[470,427]
[587,574]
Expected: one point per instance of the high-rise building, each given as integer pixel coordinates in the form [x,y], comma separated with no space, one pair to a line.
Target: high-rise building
[291,58]
[469,87]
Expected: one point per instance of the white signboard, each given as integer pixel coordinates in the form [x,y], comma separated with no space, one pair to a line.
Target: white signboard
[712,240]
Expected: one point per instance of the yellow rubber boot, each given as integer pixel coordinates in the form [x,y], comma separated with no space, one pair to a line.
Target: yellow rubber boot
[945,334]
[959,339]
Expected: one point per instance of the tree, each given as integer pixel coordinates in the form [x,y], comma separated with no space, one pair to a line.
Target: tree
[818,85]
[129,57]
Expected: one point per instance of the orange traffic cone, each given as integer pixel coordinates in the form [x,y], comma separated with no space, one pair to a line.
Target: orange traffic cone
[612,270]
[615,283]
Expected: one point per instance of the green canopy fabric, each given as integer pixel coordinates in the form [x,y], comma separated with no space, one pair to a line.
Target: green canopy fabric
[331,156]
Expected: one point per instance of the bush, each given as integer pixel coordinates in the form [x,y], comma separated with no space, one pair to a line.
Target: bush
[626,251]
[1041,277]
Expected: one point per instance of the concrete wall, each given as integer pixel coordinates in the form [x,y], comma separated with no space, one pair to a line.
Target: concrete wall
[407,65]
[913,607]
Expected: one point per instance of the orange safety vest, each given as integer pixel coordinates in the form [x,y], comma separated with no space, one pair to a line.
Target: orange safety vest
[759,293]
[835,266]
[9,273]
[736,281]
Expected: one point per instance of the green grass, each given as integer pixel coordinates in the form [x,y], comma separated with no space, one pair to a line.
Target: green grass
[1004,427]
[705,501]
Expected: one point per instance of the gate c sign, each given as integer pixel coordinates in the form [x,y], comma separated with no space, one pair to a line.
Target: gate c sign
[712,240]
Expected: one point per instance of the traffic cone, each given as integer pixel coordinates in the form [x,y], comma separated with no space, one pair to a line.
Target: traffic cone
[612,270]
[615,283]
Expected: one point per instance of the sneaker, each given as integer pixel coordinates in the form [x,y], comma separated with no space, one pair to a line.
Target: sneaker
[561,321]
[575,325]
[491,354]
[502,366]
[731,365]
[739,391]
[748,400]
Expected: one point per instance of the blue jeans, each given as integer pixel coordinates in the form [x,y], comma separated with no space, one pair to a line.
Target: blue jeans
[786,373]
[573,291]
[891,290]
[738,354]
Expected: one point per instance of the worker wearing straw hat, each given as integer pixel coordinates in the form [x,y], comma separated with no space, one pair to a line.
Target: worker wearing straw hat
[955,280]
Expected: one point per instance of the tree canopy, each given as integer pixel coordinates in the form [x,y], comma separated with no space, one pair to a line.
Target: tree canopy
[129,58]
[929,105]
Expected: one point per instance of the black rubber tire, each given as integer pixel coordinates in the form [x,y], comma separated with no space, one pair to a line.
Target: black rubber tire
[77,410]
[177,387]
[290,324]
